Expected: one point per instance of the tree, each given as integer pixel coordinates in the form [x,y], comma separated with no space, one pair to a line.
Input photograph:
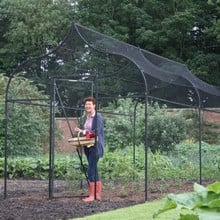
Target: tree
[216,18]
[163,27]
[28,127]
[28,27]
[206,67]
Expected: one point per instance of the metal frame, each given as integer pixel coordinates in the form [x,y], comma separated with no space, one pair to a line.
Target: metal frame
[53,93]
[145,96]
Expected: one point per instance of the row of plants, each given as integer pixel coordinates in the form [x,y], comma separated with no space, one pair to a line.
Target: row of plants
[123,164]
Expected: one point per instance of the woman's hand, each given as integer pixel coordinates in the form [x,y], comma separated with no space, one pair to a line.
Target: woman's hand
[80,130]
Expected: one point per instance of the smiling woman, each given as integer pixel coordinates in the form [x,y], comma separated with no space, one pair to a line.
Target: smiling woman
[93,124]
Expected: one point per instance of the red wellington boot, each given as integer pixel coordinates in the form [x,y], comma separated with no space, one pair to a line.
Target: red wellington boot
[98,190]
[91,193]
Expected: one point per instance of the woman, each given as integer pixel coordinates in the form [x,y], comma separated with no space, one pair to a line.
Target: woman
[93,124]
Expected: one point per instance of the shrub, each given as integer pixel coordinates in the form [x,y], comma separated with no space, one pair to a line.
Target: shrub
[164,129]
[28,125]
[118,124]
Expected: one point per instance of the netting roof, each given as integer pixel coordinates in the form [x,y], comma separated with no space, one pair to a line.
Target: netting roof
[121,69]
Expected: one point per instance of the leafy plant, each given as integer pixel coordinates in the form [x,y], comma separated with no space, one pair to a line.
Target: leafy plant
[204,203]
[164,129]
[121,164]
[186,157]
[118,126]
[38,167]
[160,166]
[28,125]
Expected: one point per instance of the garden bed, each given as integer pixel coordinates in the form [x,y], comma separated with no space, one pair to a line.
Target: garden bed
[29,199]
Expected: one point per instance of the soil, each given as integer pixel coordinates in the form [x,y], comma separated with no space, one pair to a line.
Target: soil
[30,200]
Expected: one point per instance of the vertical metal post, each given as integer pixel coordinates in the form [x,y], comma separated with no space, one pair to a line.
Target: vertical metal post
[51,152]
[134,134]
[96,97]
[6,137]
[6,148]
[146,148]
[145,132]
[200,146]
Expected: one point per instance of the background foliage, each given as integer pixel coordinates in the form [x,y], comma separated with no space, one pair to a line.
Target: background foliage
[186,31]
[28,129]
[164,129]
[29,28]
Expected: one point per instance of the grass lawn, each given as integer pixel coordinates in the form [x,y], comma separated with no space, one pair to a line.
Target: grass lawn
[136,212]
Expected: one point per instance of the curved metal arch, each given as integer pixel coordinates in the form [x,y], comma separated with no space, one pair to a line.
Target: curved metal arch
[199,127]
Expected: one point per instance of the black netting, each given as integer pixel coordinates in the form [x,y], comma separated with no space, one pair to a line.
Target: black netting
[85,53]
[166,79]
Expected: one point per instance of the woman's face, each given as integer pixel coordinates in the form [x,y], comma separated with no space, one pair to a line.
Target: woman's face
[89,107]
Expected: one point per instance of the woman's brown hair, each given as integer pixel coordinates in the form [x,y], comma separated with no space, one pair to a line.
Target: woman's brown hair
[90,99]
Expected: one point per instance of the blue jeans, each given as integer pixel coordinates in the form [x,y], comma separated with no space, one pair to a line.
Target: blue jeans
[92,159]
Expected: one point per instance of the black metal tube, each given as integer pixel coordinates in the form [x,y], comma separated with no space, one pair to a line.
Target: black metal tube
[134,134]
[6,147]
[146,146]
[51,152]
[96,97]
[200,146]
[6,137]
